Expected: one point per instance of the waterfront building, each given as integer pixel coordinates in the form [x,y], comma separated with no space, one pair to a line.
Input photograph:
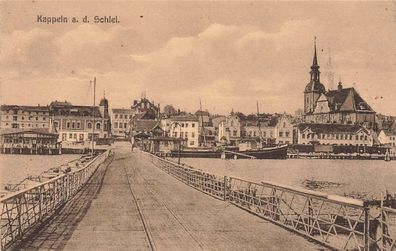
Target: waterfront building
[142,130]
[273,129]
[28,141]
[24,117]
[334,134]
[185,127]
[340,106]
[120,118]
[230,130]
[76,123]
[164,144]
[387,137]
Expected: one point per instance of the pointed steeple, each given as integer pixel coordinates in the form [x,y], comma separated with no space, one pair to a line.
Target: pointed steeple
[315,73]
[315,58]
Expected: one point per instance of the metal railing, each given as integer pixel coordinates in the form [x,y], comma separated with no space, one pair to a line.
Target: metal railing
[203,181]
[336,222]
[25,209]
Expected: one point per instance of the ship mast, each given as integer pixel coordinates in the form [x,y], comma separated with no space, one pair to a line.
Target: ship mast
[93,114]
[258,121]
[202,123]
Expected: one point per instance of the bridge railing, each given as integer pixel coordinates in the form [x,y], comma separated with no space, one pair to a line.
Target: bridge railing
[26,208]
[208,183]
[335,221]
[388,228]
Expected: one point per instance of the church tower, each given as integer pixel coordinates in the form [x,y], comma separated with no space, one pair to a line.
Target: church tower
[314,88]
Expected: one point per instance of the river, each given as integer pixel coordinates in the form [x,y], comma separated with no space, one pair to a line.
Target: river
[355,178]
[14,168]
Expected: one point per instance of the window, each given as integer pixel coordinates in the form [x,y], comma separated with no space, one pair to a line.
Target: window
[81,137]
[287,134]
[89,125]
[280,134]
[182,125]
[98,126]
[125,125]
[186,124]
[68,125]
[36,118]
[130,116]
[44,118]
[181,134]
[116,116]
[75,136]
[193,124]
[64,135]
[192,134]
[116,125]
[56,124]
[78,125]
[14,125]
[186,134]
[191,143]
[73,125]
[234,133]
[303,136]
[23,118]
[70,135]
[357,137]
[15,118]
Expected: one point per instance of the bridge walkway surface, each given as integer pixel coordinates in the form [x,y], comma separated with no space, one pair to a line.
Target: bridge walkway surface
[129,204]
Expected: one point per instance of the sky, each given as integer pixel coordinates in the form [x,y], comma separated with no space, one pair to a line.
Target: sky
[226,54]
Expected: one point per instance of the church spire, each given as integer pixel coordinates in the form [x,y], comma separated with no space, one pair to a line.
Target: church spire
[315,73]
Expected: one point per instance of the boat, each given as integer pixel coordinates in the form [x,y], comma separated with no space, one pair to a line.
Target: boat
[276,152]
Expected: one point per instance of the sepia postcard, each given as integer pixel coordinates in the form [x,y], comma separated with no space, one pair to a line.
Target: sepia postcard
[198,125]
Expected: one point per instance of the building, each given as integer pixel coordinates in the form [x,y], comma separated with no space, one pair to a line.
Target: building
[334,134]
[77,123]
[230,130]
[340,106]
[185,127]
[273,129]
[387,137]
[144,105]
[120,121]
[24,117]
[29,141]
[142,130]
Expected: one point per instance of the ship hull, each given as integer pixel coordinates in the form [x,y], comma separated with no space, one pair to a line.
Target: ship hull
[265,153]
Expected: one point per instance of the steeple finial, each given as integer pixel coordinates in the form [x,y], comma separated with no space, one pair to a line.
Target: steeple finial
[315,59]
[104,93]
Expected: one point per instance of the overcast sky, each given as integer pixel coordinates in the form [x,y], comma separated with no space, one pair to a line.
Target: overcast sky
[227,54]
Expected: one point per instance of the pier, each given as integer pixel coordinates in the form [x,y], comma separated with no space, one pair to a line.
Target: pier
[137,201]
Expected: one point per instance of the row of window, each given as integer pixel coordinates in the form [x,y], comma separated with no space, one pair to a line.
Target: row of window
[264,134]
[15,125]
[27,113]
[77,125]
[183,134]
[334,136]
[125,116]
[120,125]
[15,118]
[73,136]
[186,124]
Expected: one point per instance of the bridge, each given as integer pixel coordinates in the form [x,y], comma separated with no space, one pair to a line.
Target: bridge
[136,201]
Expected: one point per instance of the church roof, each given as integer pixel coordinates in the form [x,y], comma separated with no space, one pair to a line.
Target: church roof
[331,128]
[347,99]
[315,86]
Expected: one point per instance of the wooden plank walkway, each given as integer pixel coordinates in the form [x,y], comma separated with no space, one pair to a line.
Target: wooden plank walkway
[132,205]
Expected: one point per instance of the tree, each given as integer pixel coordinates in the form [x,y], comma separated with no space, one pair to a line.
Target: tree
[170,110]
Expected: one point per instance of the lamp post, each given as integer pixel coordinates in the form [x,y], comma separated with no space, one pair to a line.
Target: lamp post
[178,124]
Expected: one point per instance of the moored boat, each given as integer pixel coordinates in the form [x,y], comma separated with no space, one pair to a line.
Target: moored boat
[276,152]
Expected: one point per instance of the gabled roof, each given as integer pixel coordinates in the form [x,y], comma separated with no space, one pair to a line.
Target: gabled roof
[185,118]
[331,128]
[389,133]
[347,99]
[122,111]
[28,108]
[75,110]
[145,125]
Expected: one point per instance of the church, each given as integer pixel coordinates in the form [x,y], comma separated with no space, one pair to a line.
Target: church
[340,106]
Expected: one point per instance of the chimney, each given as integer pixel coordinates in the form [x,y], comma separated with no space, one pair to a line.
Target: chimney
[339,86]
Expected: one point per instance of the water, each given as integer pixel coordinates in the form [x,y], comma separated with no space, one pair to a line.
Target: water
[14,168]
[355,178]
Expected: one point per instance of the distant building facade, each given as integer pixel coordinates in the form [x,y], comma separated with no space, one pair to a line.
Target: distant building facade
[185,127]
[230,130]
[24,117]
[76,123]
[120,118]
[387,137]
[334,134]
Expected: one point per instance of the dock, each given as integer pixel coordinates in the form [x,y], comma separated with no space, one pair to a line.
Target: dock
[130,204]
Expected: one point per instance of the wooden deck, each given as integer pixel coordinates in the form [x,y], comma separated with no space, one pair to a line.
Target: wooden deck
[129,204]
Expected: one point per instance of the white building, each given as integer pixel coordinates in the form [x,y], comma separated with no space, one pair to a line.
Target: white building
[388,138]
[230,130]
[120,118]
[185,127]
[334,134]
